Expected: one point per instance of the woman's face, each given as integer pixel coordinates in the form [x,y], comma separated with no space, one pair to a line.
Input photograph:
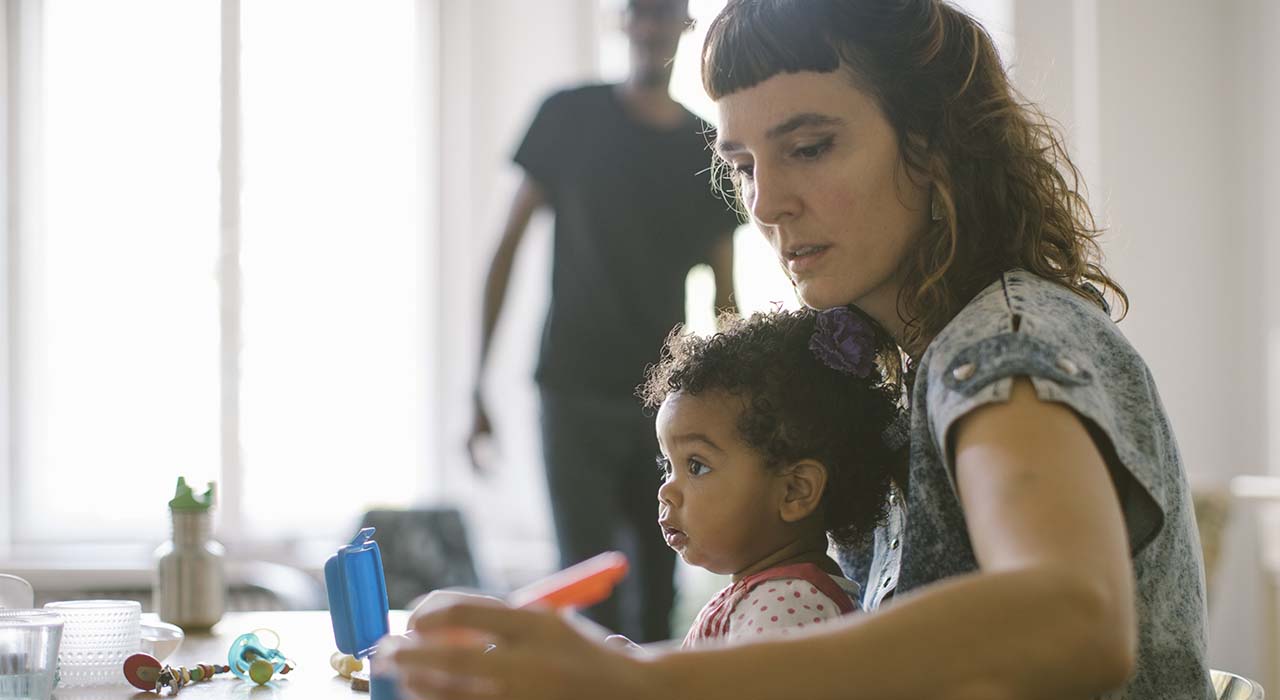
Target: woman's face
[819,170]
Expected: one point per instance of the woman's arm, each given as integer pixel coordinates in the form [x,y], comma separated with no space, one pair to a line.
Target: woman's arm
[1050,614]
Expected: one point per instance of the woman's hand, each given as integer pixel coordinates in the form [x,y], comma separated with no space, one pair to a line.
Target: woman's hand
[537,655]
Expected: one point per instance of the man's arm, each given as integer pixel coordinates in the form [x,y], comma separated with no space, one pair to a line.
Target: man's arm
[527,199]
[722,266]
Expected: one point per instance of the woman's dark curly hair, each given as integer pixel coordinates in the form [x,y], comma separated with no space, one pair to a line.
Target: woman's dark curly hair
[796,407]
[1007,190]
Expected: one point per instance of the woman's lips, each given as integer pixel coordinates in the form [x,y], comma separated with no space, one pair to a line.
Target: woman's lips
[805,258]
[675,538]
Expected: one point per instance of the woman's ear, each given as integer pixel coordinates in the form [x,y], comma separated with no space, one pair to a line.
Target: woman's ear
[803,484]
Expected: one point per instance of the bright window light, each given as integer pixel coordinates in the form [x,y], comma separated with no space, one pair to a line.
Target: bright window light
[116,386]
[334,259]
[117,305]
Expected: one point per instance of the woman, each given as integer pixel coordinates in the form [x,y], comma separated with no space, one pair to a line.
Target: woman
[1046,547]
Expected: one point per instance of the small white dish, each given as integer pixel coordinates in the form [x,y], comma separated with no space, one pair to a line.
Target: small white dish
[15,592]
[160,639]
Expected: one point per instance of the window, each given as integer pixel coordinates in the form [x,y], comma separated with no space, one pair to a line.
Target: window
[216,273]
[334,385]
[115,387]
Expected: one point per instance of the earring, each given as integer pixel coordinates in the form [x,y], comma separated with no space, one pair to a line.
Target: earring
[935,209]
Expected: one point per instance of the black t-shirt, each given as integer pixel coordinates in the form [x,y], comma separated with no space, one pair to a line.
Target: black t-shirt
[634,211]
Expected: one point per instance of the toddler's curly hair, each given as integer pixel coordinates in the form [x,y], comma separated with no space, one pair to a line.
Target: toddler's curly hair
[796,407]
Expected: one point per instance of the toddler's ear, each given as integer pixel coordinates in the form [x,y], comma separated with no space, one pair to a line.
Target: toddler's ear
[803,484]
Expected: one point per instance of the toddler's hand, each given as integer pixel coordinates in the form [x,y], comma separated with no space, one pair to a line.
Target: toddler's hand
[621,643]
[435,600]
[457,637]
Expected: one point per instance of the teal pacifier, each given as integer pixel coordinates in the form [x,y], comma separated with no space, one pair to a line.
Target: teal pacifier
[249,654]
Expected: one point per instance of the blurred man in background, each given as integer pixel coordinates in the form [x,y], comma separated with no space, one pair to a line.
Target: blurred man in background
[625,169]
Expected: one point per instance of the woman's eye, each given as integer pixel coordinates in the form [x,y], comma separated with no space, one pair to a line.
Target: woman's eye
[697,468]
[664,467]
[745,171]
[813,151]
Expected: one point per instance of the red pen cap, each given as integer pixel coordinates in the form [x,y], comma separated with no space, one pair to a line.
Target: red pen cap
[579,586]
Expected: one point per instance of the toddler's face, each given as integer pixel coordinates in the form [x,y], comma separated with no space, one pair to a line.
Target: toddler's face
[718,505]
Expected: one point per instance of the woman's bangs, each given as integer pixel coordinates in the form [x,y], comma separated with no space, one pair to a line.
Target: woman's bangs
[750,42]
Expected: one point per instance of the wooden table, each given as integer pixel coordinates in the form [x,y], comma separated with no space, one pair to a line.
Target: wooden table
[306,637]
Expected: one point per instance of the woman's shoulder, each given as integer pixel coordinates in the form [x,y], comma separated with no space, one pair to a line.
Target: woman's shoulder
[1024,314]
[1024,326]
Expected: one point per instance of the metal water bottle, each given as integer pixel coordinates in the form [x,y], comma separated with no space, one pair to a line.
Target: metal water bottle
[190,584]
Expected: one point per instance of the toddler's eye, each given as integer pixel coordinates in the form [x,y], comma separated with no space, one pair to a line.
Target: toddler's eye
[697,468]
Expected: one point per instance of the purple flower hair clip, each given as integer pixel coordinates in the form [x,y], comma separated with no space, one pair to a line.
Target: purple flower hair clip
[844,341]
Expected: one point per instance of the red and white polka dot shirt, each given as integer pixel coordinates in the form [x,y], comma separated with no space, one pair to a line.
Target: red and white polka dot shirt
[774,601]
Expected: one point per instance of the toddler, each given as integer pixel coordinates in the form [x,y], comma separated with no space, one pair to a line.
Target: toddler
[777,432]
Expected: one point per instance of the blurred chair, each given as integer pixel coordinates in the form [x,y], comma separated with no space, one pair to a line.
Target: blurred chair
[1212,507]
[1258,497]
[265,585]
[422,550]
[1229,686]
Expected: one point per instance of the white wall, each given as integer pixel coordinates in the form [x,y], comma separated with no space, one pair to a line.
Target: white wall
[1167,145]
[1145,92]
[1170,108]
[1239,633]
[6,241]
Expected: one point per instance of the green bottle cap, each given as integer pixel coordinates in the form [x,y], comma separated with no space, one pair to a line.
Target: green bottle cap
[185,499]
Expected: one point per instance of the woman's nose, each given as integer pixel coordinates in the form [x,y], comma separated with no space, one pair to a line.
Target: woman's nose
[771,198]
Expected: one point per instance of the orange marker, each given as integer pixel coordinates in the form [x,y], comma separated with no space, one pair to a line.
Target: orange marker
[579,586]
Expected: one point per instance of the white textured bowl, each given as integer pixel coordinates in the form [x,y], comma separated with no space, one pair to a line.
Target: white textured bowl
[97,636]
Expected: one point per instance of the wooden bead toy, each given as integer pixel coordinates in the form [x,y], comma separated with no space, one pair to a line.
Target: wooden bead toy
[145,672]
